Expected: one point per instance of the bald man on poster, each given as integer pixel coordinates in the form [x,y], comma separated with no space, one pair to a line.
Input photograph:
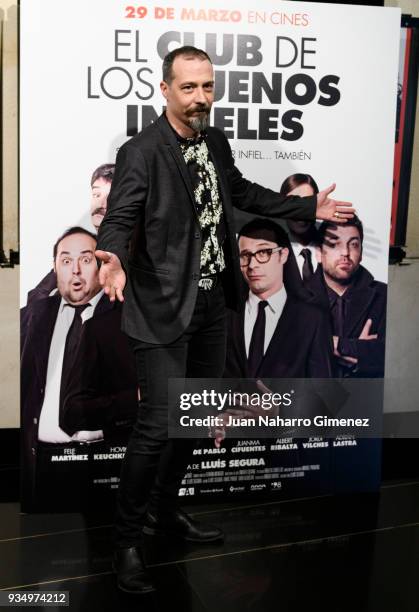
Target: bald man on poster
[168,250]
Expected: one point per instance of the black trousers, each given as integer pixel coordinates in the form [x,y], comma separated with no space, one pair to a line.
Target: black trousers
[154,466]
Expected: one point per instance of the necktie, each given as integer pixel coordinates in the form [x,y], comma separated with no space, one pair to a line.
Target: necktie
[340,315]
[70,350]
[344,368]
[257,342]
[307,265]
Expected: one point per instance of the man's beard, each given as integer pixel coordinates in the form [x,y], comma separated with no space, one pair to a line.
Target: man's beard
[344,281]
[201,122]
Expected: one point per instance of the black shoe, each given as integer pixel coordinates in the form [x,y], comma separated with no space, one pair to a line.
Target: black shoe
[132,575]
[181,525]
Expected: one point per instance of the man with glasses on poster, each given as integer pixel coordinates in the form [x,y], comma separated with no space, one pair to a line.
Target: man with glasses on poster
[275,333]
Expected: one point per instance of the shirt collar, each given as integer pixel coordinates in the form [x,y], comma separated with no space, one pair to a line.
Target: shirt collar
[276,301]
[92,302]
[297,248]
[333,296]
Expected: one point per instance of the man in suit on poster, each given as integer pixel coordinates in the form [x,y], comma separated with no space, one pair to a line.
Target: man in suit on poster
[274,334]
[302,261]
[103,393]
[168,240]
[51,329]
[100,184]
[356,302]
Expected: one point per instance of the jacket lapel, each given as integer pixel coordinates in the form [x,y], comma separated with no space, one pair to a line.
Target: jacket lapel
[216,157]
[292,278]
[280,330]
[315,291]
[174,150]
[45,315]
[358,309]
[360,297]
[104,305]
[241,344]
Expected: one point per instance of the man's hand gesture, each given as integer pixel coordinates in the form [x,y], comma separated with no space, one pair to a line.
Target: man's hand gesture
[365,335]
[332,210]
[111,275]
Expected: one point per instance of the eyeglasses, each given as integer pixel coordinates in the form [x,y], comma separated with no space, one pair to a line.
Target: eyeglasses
[262,256]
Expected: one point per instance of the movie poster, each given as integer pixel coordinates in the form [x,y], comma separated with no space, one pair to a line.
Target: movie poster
[300,88]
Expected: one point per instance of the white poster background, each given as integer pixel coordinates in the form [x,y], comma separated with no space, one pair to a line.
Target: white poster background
[65,134]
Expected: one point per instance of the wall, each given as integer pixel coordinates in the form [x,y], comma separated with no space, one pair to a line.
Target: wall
[10,117]
[411,7]
[9,277]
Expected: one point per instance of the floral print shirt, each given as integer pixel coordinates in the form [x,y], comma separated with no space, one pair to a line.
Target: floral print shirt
[207,201]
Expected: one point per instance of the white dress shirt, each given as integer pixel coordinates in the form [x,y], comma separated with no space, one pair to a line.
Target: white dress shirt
[297,248]
[49,429]
[273,312]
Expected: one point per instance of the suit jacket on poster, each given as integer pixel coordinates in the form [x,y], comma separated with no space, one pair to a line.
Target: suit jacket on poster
[44,288]
[104,388]
[368,300]
[301,345]
[152,193]
[37,327]
[292,278]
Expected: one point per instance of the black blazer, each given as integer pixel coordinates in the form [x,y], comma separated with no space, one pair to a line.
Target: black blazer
[104,388]
[153,227]
[368,300]
[301,346]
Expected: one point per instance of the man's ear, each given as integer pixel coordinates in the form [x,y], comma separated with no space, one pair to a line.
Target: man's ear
[54,267]
[164,88]
[319,254]
[283,256]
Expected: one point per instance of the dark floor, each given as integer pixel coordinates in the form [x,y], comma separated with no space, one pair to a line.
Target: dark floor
[327,553]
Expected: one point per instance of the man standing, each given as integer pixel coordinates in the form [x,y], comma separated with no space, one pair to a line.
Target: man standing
[51,329]
[273,334]
[356,301]
[169,237]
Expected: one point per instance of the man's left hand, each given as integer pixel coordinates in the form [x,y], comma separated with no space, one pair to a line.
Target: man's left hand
[364,335]
[333,210]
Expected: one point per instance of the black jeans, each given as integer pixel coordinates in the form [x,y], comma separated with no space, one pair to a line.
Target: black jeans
[153,467]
